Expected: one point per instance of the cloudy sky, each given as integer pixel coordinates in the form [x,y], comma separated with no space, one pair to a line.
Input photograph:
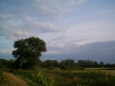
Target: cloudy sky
[65,25]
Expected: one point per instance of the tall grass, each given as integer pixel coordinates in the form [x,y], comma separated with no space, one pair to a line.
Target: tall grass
[43,80]
[61,78]
[35,78]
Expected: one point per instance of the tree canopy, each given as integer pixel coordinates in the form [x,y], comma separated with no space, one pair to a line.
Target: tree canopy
[27,51]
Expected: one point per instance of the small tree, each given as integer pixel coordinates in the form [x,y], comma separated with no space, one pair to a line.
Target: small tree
[27,52]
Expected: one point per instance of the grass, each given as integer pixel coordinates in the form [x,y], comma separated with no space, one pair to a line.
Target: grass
[60,77]
[83,78]
[108,71]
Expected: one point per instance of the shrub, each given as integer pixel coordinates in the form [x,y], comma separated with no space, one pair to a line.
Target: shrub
[43,80]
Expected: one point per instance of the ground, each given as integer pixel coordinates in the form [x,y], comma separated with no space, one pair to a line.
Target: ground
[57,77]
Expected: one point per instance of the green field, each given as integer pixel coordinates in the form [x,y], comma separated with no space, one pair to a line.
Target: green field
[57,77]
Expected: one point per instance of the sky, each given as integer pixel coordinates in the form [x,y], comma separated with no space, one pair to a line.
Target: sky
[62,24]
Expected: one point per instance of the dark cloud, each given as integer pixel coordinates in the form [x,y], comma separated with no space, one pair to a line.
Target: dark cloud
[100,51]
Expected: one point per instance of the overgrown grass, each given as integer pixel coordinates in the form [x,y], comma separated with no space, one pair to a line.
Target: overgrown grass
[64,78]
[83,79]
[35,78]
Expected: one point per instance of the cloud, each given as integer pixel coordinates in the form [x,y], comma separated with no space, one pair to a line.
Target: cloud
[17,23]
[98,51]
[41,26]
[18,27]
[91,31]
[77,35]
[57,7]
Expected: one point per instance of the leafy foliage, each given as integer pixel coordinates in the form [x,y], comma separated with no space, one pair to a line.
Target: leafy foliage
[43,80]
[27,51]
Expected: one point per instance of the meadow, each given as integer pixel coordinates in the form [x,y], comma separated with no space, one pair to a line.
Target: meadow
[58,77]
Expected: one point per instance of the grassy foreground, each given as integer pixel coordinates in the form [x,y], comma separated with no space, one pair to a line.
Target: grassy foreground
[56,77]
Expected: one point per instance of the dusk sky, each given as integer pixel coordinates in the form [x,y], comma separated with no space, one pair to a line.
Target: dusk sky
[65,25]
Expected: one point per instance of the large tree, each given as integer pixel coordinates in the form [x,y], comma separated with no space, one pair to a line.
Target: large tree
[27,52]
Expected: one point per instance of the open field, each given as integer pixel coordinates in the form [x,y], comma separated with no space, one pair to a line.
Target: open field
[108,71]
[56,77]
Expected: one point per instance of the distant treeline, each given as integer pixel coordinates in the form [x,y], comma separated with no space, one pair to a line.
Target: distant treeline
[71,64]
[64,64]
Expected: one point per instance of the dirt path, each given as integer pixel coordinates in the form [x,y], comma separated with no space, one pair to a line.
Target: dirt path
[8,79]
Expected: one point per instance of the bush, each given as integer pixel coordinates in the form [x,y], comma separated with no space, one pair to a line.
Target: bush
[43,80]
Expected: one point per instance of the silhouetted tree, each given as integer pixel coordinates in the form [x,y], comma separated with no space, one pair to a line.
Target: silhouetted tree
[27,52]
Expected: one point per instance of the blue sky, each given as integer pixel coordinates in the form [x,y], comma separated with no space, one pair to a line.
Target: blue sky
[63,24]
